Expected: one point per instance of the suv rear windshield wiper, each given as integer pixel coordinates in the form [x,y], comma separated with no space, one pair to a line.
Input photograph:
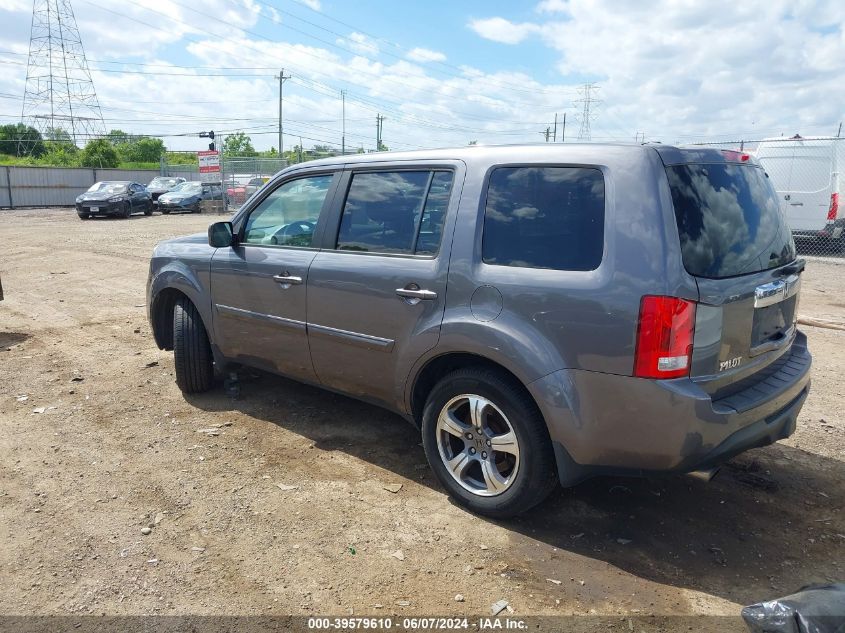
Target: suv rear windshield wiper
[794,268]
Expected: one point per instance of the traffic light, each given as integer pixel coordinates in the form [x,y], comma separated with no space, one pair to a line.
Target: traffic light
[209,135]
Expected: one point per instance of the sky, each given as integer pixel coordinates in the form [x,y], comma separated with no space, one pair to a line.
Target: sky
[445,73]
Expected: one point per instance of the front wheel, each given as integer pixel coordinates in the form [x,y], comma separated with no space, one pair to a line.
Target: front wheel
[165,211]
[127,210]
[149,209]
[487,442]
[83,216]
[191,349]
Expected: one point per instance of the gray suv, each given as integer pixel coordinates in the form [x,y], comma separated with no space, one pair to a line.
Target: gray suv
[542,313]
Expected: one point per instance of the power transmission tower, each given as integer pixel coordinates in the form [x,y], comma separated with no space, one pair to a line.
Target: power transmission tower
[586,102]
[59,93]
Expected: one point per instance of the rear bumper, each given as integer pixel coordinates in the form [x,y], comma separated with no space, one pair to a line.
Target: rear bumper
[832,230]
[606,424]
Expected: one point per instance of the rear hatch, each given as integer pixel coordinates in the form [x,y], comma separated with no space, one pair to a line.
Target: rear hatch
[801,171]
[737,245]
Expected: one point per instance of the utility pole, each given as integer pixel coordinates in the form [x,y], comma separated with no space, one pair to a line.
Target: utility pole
[840,130]
[547,133]
[554,139]
[379,122]
[300,149]
[563,130]
[281,79]
[587,100]
[343,110]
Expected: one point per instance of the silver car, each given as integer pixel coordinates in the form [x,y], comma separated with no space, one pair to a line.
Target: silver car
[542,314]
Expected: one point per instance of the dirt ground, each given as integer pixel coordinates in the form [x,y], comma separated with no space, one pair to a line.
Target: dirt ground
[97,443]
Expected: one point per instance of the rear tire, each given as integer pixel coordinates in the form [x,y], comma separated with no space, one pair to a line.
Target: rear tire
[191,349]
[524,469]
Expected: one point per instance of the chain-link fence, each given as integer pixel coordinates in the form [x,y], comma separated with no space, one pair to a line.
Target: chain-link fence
[239,178]
[807,175]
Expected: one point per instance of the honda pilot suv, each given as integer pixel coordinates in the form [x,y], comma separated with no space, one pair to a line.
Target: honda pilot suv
[542,314]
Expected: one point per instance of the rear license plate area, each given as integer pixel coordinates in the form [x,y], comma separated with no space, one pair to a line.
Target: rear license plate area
[773,322]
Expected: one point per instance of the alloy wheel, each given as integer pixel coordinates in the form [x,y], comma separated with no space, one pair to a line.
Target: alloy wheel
[478,445]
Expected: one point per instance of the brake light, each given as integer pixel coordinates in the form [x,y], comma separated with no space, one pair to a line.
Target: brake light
[735,156]
[664,337]
[833,211]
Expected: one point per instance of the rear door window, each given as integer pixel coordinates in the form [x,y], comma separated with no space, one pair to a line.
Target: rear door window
[544,217]
[395,212]
[729,219]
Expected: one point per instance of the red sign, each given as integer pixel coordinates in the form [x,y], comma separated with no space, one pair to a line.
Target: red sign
[209,161]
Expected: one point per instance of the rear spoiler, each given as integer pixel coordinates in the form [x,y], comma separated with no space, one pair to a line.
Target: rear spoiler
[682,155]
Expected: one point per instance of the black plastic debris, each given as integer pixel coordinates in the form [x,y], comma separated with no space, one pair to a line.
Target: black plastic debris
[813,609]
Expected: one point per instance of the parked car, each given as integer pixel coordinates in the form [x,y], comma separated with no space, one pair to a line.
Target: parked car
[163,184]
[188,196]
[114,197]
[541,313]
[807,175]
[239,192]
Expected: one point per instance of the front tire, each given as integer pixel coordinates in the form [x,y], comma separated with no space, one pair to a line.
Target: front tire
[127,210]
[83,216]
[487,442]
[165,211]
[149,209]
[191,349]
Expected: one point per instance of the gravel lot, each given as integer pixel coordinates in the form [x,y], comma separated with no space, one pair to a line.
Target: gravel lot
[98,447]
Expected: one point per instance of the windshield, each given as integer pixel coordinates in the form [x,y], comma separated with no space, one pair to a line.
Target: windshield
[108,187]
[163,182]
[189,187]
[729,220]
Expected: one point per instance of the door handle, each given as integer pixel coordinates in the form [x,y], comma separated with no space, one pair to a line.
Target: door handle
[286,279]
[413,291]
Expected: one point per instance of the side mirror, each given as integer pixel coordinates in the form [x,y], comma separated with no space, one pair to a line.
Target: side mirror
[220,235]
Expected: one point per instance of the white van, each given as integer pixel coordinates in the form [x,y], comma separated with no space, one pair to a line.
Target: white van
[806,173]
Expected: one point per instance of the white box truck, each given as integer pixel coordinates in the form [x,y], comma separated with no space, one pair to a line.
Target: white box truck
[806,174]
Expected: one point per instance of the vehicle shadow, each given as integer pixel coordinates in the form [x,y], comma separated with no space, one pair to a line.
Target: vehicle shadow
[8,339]
[770,523]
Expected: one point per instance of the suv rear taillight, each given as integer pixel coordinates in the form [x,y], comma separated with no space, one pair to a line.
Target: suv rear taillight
[833,210]
[664,337]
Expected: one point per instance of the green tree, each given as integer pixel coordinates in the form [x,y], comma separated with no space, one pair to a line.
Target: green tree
[238,144]
[17,139]
[116,137]
[143,150]
[61,155]
[99,153]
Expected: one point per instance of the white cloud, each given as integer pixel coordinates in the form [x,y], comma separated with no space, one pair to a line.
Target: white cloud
[359,43]
[15,5]
[672,71]
[423,55]
[502,30]
[311,4]
[553,6]
[680,70]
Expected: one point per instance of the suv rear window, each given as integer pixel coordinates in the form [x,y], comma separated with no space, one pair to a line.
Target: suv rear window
[544,217]
[729,220]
